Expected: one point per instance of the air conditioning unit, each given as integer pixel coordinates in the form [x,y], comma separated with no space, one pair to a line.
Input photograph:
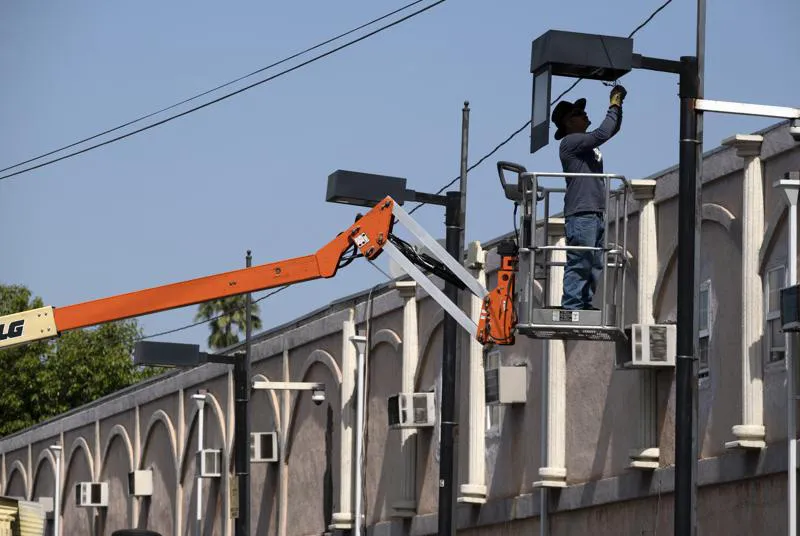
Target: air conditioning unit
[140,483]
[411,410]
[91,494]
[506,385]
[209,463]
[647,346]
[790,308]
[264,447]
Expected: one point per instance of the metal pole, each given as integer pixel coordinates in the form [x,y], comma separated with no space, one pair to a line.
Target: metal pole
[686,364]
[57,493]
[361,342]
[700,56]
[790,379]
[241,446]
[447,419]
[462,220]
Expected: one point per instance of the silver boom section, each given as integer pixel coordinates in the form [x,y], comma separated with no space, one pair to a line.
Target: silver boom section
[445,258]
[540,319]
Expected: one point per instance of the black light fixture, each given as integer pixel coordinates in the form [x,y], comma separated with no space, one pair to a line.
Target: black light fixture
[364,189]
[576,55]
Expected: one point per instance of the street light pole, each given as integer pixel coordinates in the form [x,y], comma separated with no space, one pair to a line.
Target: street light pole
[241,443]
[356,188]
[686,362]
[790,373]
[447,423]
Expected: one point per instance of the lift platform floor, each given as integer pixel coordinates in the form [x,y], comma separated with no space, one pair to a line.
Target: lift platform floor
[557,323]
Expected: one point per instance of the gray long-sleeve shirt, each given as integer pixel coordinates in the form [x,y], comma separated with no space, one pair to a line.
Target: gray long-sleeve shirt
[579,154]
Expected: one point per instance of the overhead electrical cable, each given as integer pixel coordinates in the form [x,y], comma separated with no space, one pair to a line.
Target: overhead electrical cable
[226,84]
[227,95]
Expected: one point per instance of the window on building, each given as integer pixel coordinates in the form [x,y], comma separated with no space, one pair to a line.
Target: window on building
[494,412]
[704,332]
[773,334]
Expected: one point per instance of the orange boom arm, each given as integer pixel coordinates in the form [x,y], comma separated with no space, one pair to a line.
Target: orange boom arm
[368,234]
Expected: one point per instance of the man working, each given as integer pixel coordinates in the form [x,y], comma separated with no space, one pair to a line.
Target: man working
[585,200]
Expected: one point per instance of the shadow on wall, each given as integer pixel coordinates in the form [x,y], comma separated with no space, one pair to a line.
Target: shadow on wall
[427,379]
[309,454]
[76,520]
[212,505]
[157,512]
[382,445]
[327,479]
[115,468]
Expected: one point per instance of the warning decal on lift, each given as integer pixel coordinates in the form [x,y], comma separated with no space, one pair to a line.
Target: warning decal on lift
[562,315]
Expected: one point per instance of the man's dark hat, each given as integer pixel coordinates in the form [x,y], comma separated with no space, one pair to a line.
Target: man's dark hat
[562,111]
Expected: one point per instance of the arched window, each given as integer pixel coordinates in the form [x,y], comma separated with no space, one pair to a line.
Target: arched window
[704,330]
[774,341]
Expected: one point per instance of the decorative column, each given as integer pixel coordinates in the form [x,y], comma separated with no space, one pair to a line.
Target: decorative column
[474,490]
[750,433]
[283,439]
[406,503]
[554,377]
[343,518]
[646,455]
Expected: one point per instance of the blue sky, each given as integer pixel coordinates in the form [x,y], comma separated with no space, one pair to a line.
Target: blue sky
[188,198]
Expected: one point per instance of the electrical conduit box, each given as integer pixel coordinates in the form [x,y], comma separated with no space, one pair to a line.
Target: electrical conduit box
[506,384]
[140,483]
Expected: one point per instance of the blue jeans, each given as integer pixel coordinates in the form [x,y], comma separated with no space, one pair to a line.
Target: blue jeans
[584,268]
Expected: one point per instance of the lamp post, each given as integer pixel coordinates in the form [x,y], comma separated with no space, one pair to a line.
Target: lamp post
[603,57]
[365,189]
[241,444]
[57,493]
[170,354]
[790,185]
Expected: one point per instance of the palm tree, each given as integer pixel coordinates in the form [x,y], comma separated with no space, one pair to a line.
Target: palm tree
[227,320]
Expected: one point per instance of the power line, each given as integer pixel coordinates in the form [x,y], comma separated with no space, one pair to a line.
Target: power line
[527,123]
[210,319]
[656,12]
[228,95]
[270,66]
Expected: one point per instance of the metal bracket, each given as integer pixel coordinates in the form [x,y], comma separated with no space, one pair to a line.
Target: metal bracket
[740,108]
[439,252]
[289,386]
[445,258]
[431,288]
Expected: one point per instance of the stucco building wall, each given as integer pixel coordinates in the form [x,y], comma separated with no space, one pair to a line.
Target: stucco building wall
[310,489]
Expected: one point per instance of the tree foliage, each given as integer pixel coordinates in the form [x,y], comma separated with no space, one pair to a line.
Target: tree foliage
[43,379]
[227,320]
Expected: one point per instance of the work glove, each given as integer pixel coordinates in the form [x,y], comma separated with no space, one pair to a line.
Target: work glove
[618,94]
